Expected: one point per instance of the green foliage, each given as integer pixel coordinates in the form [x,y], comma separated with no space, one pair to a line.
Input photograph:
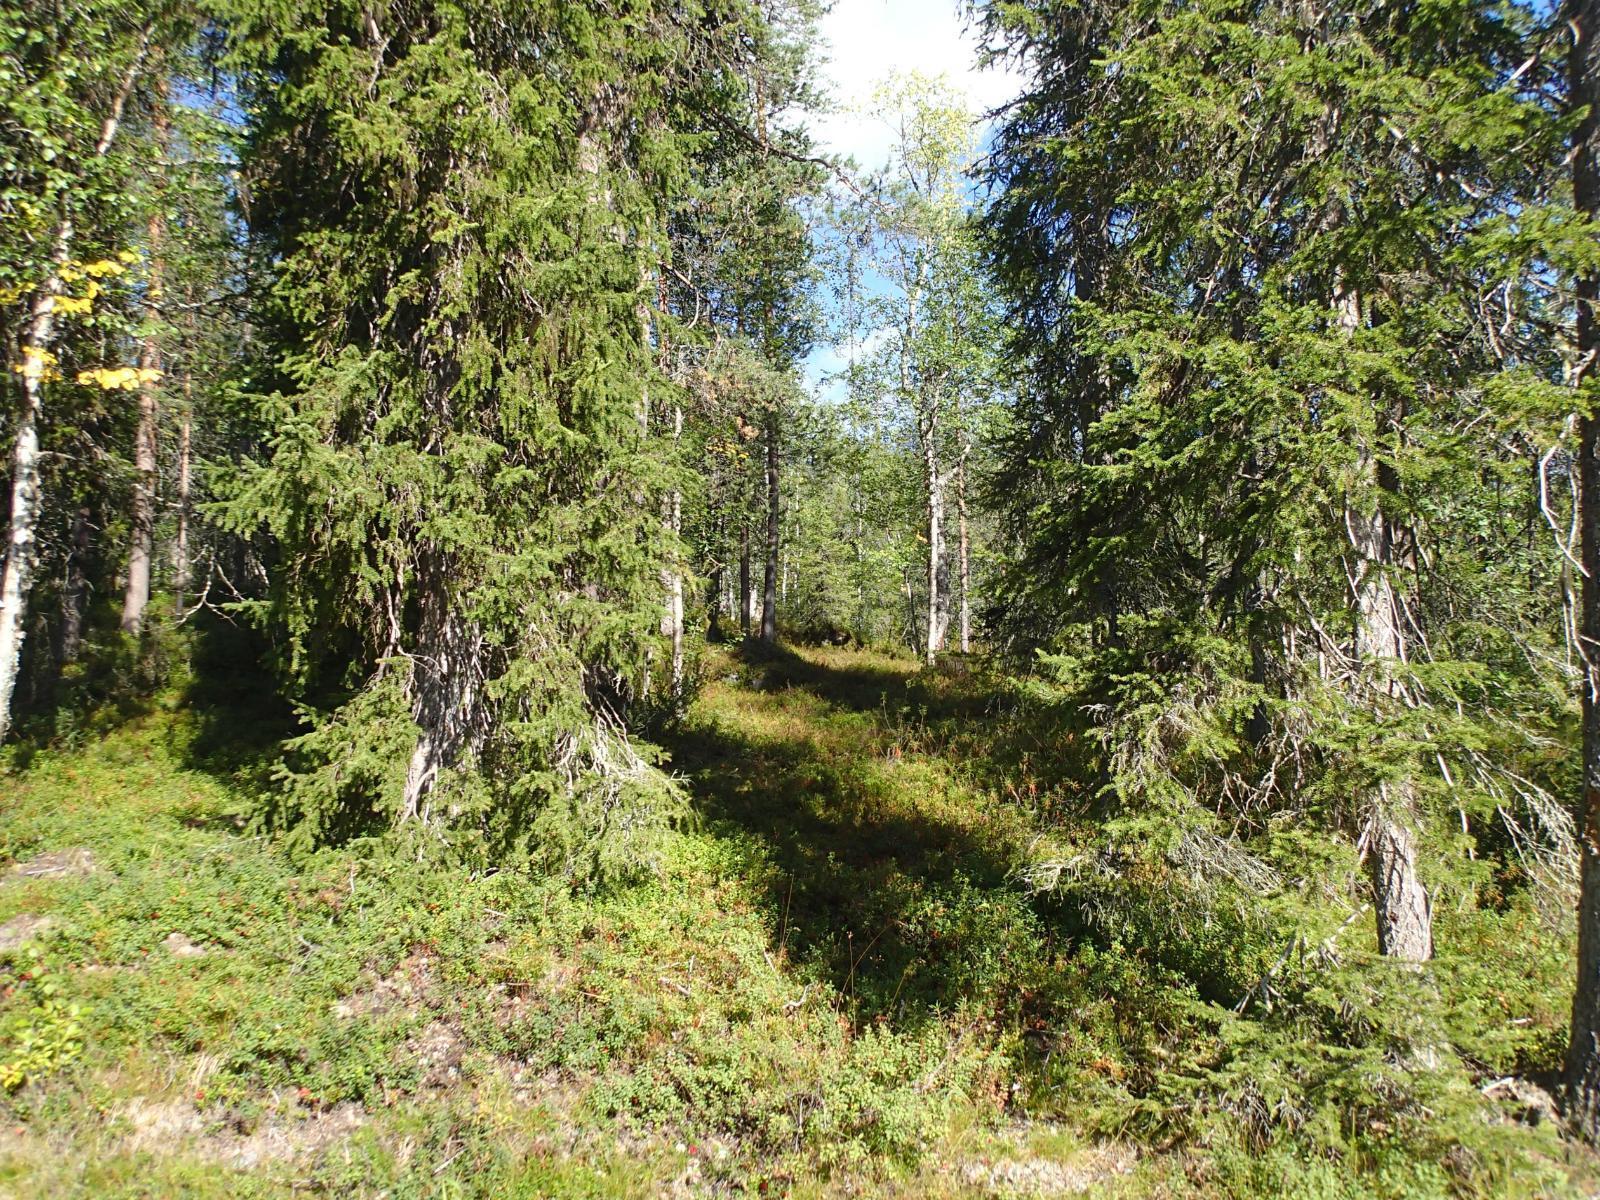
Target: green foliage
[41,1033]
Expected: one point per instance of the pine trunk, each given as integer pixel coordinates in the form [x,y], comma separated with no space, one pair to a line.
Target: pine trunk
[746,595]
[180,545]
[675,571]
[1583,1049]
[74,590]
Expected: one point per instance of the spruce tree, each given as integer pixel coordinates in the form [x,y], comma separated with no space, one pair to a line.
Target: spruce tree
[1245,247]
[462,206]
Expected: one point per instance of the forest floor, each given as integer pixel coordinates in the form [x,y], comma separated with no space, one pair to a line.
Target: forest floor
[837,985]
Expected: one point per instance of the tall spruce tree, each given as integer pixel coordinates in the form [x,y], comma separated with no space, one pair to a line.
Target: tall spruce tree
[463,206]
[1245,249]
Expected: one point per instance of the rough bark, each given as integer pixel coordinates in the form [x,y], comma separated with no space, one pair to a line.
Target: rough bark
[141,545]
[746,596]
[38,336]
[769,590]
[1405,916]
[675,571]
[1583,1048]
[714,604]
[1404,913]
[445,691]
[180,544]
[964,549]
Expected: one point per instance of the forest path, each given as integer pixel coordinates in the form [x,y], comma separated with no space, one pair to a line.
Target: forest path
[832,987]
[856,778]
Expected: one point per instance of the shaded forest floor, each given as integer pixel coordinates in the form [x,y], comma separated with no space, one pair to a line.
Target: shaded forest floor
[837,987]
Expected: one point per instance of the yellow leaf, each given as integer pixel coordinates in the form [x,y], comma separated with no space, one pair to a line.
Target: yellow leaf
[37,364]
[114,379]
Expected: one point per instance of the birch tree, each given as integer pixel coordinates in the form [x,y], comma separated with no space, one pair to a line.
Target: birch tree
[73,111]
[928,322]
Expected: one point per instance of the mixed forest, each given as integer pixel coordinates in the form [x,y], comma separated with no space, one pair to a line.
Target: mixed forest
[485,714]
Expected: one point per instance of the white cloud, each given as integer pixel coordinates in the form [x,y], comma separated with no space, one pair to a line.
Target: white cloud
[867,40]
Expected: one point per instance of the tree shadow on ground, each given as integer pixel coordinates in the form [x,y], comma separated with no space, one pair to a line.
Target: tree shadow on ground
[875,881]
[849,680]
[238,715]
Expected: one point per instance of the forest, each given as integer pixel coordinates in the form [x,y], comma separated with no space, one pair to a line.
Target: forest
[562,636]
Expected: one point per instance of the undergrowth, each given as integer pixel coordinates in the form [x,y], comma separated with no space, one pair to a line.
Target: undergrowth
[844,978]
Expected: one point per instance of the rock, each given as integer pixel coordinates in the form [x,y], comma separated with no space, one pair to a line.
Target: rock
[1022,1174]
[438,1051]
[181,947]
[22,929]
[73,861]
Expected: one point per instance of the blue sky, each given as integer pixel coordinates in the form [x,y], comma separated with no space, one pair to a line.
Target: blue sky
[864,42]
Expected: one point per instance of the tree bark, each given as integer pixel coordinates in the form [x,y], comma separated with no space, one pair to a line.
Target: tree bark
[180,545]
[1583,1047]
[714,604]
[1404,913]
[141,548]
[21,548]
[445,690]
[964,548]
[769,590]
[675,571]
[938,570]
[746,596]
[37,338]
[74,590]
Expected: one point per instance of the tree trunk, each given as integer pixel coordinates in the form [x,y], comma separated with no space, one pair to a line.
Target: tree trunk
[38,336]
[1583,1049]
[675,571]
[74,590]
[915,639]
[964,550]
[180,545]
[1404,914]
[938,571]
[769,591]
[714,604]
[747,605]
[445,691]
[141,548]
[21,549]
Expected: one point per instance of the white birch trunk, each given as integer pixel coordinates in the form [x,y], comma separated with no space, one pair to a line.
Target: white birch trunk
[38,336]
